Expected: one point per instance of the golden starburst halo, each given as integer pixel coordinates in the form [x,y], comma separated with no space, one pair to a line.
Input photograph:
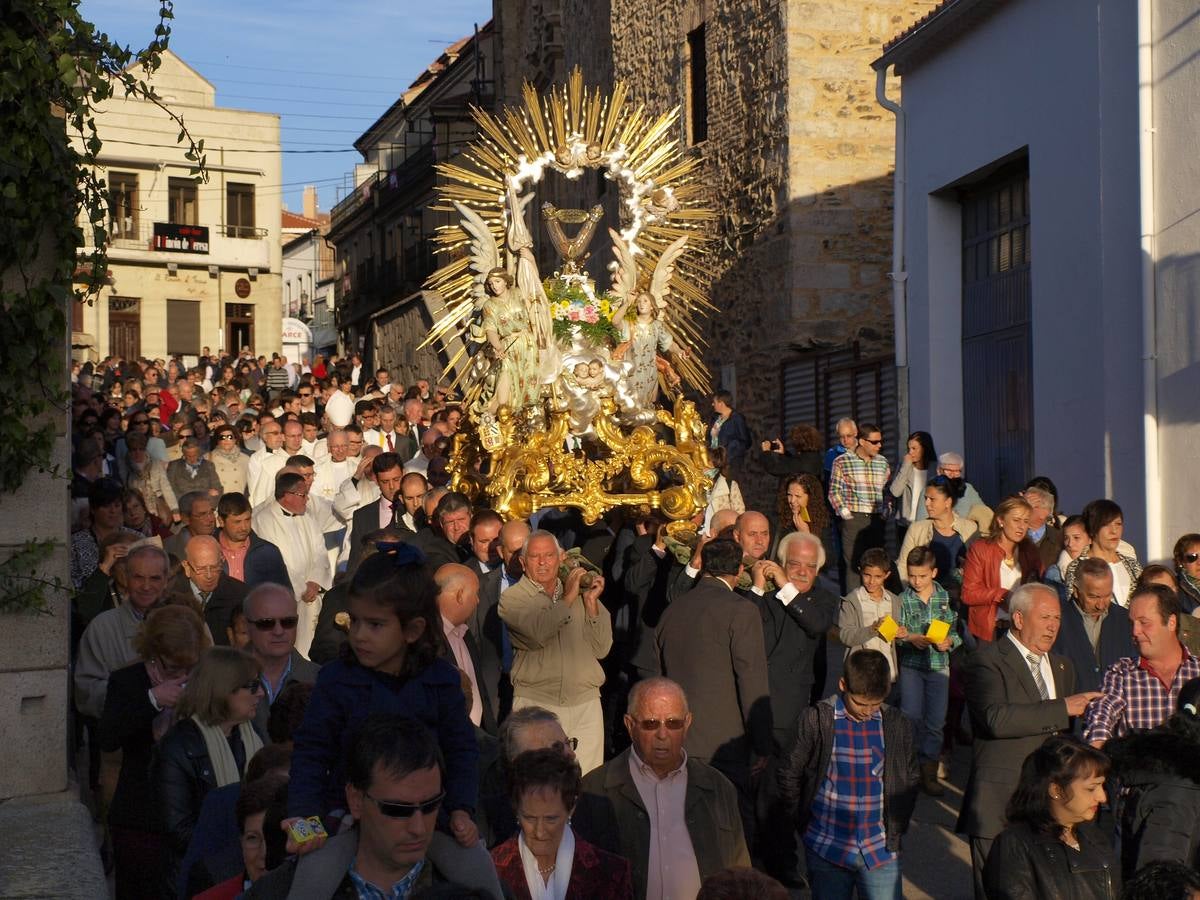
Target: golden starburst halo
[570,130]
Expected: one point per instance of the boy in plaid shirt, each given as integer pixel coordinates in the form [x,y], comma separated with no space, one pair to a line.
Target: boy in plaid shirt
[925,665]
[850,781]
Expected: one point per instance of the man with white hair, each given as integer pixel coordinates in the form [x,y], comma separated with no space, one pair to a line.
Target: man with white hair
[202,578]
[952,465]
[1019,693]
[796,618]
[560,631]
[333,471]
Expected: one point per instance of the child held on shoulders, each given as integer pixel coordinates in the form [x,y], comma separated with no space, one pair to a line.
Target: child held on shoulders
[924,660]
[391,665]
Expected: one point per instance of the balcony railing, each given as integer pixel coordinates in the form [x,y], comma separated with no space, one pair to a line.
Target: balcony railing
[140,235]
[418,165]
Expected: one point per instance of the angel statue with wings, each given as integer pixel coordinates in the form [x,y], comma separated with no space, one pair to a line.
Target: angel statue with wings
[641,316]
[512,318]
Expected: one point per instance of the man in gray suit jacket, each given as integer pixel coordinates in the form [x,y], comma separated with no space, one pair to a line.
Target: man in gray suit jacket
[710,641]
[1018,694]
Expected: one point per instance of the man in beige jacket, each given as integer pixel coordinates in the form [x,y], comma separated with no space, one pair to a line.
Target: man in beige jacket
[560,631]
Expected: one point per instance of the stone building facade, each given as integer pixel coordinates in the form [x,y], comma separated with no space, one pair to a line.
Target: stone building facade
[779,98]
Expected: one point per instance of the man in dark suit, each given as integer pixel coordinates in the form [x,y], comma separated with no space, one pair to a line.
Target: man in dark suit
[484,542]
[388,470]
[271,619]
[1043,530]
[710,641]
[490,632]
[457,600]
[1095,631]
[442,542]
[795,619]
[202,579]
[1018,694]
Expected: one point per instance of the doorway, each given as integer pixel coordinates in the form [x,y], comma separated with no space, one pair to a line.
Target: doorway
[996,352]
[124,327]
[239,327]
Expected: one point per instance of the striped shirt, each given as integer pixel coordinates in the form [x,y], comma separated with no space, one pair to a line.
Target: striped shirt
[847,826]
[857,484]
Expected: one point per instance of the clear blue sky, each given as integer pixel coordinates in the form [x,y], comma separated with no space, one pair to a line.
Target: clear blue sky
[328,68]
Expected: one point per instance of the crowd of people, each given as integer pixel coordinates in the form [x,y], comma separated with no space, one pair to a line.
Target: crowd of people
[304,666]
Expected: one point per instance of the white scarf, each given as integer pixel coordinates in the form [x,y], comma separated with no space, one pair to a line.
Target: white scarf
[220,754]
[556,889]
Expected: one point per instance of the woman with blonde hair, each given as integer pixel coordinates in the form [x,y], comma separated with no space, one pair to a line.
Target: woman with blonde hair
[209,744]
[997,564]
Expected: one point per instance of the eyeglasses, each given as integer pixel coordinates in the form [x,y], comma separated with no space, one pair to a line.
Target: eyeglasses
[204,570]
[560,746]
[253,687]
[169,671]
[395,810]
[655,724]
[303,395]
[225,437]
[286,623]
[303,494]
[1191,557]
[875,443]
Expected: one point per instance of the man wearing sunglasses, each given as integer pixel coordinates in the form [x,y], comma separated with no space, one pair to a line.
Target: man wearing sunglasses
[396,777]
[271,619]
[856,485]
[673,817]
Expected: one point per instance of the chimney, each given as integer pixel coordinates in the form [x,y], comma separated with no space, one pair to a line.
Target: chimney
[310,202]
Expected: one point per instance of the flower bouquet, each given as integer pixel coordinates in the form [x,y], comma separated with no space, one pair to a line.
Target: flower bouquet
[577,313]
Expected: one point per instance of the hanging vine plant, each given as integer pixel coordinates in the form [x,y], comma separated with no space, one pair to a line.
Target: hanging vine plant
[57,69]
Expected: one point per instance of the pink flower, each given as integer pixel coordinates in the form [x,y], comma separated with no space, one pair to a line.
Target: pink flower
[573,315]
[589,314]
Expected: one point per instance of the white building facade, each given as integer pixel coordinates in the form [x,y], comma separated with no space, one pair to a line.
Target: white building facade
[192,264]
[1049,251]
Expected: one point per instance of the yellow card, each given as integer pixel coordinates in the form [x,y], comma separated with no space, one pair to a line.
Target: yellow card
[938,631]
[888,629]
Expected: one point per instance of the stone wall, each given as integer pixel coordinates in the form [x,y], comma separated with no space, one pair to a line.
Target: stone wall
[798,156]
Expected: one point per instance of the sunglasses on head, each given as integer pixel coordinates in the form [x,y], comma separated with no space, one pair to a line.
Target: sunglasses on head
[654,724]
[407,810]
[287,622]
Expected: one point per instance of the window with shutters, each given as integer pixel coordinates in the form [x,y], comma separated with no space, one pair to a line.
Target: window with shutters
[182,208]
[183,327]
[239,210]
[820,387]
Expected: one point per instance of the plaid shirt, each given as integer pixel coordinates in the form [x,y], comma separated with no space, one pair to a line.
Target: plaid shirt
[1135,698]
[847,812]
[401,890]
[915,616]
[857,484]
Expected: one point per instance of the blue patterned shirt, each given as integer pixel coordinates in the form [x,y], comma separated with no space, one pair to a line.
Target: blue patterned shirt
[847,826]
[400,890]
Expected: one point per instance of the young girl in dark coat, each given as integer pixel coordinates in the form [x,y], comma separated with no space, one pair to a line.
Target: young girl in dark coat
[391,665]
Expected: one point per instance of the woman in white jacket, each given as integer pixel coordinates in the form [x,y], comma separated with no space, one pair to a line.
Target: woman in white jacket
[725,493]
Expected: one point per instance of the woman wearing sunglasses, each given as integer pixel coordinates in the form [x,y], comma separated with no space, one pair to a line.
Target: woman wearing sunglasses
[546,860]
[208,746]
[1187,571]
[227,456]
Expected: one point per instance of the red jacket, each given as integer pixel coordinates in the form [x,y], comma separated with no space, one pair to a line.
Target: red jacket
[981,590]
[595,874]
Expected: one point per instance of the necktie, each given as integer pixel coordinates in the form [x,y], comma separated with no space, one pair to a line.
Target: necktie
[1035,663]
[204,598]
[391,443]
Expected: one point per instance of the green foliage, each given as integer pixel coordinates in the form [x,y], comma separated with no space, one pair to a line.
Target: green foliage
[57,68]
[574,313]
[22,589]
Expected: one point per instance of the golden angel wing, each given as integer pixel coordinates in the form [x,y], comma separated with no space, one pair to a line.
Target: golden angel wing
[484,253]
[625,280]
[661,278]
